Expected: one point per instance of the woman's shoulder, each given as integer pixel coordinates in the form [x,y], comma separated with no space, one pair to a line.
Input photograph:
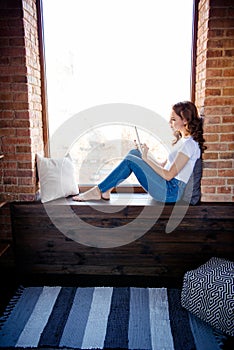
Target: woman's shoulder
[190,141]
[190,146]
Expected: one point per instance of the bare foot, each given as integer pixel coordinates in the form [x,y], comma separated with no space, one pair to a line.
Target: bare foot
[92,194]
[106,195]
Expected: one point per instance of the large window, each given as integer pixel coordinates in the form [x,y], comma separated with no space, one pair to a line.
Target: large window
[107,51]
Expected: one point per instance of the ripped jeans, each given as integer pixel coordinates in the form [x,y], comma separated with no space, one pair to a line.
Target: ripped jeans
[160,189]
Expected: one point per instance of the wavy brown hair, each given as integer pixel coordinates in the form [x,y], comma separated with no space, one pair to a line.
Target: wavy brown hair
[188,111]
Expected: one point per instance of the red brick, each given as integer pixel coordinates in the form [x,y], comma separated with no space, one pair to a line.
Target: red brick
[219,128]
[219,23]
[21,123]
[212,120]
[218,164]
[23,156]
[229,32]
[6,79]
[7,132]
[7,114]
[230,12]
[214,110]
[4,61]
[19,189]
[226,189]
[10,173]
[216,147]
[218,12]
[18,140]
[219,63]
[228,53]
[209,189]
[210,173]
[13,51]
[17,41]
[20,86]
[10,181]
[227,128]
[226,155]
[24,173]
[215,53]
[20,83]
[214,73]
[8,31]
[225,164]
[28,197]
[213,92]
[209,155]
[209,165]
[211,138]
[17,61]
[227,138]
[228,92]
[222,43]
[219,83]
[6,97]
[9,165]
[22,115]
[22,96]
[221,3]
[213,182]
[25,165]
[4,41]
[8,148]
[216,198]
[23,149]
[10,11]
[23,132]
[226,172]
[228,73]
[25,181]
[230,181]
[13,105]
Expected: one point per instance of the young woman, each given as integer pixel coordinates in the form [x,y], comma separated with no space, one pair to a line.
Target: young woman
[165,183]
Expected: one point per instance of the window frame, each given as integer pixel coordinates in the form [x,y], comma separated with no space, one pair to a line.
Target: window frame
[44,97]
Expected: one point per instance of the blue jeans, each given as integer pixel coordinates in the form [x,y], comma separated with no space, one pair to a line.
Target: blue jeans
[160,189]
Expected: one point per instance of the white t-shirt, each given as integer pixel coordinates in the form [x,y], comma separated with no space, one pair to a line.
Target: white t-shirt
[190,148]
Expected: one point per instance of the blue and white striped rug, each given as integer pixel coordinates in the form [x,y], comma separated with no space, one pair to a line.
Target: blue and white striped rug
[102,318]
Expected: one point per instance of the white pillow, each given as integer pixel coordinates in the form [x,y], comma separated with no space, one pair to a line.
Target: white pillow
[56,177]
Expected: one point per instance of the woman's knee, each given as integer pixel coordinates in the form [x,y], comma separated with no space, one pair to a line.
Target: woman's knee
[135,152]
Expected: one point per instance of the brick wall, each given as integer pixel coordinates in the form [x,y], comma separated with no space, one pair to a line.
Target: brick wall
[215,95]
[20,102]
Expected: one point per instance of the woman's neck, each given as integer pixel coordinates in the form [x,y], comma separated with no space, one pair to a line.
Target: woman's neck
[185,134]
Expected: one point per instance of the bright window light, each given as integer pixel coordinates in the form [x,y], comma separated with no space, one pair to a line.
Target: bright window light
[107,51]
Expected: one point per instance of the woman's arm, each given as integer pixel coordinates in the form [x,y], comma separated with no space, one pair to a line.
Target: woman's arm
[180,161]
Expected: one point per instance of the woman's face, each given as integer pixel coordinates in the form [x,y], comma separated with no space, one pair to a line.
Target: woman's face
[176,123]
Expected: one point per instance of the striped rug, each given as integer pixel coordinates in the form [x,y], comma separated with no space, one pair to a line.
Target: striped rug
[102,318]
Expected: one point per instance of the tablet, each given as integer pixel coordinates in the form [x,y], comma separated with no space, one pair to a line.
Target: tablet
[138,140]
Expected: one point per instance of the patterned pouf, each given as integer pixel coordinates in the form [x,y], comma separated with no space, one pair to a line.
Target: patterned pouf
[208,293]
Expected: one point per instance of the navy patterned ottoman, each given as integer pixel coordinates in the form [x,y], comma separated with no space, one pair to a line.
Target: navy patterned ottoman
[208,293]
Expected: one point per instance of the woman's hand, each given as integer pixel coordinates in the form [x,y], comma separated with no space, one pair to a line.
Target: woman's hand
[145,150]
[135,144]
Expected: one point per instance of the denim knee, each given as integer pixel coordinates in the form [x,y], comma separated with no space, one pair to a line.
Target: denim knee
[135,152]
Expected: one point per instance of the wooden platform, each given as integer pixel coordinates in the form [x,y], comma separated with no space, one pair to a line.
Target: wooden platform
[131,235]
